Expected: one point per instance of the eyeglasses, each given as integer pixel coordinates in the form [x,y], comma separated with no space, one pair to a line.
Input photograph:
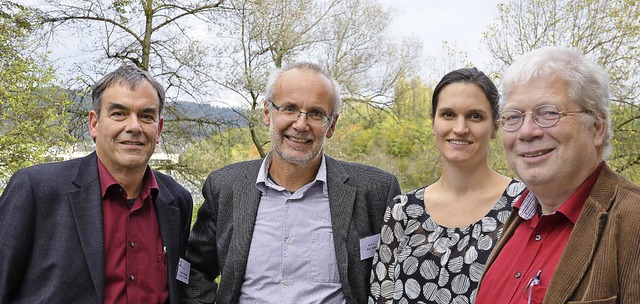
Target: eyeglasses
[291,113]
[545,116]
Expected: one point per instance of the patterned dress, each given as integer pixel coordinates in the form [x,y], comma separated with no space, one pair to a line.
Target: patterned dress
[419,261]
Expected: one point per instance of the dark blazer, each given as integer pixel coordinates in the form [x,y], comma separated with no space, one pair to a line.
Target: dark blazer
[601,261]
[220,240]
[51,235]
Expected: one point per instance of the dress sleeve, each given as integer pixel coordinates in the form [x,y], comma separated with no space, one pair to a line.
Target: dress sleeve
[385,259]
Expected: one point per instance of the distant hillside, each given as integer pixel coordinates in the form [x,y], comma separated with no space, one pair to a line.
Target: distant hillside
[193,110]
[182,118]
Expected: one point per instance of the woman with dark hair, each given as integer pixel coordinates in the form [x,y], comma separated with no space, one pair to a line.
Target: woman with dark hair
[436,240]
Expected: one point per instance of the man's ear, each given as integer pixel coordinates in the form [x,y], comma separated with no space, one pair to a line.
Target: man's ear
[332,127]
[266,117]
[93,123]
[600,131]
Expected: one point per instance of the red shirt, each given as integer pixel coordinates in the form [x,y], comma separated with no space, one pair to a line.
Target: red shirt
[135,268]
[535,247]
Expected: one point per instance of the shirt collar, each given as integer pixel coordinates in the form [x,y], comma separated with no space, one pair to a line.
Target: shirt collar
[149,184]
[263,181]
[527,205]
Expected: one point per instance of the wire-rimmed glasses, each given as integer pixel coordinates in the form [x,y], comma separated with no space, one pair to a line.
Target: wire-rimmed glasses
[545,116]
[290,113]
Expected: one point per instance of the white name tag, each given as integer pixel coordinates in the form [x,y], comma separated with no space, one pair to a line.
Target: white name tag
[183,271]
[368,246]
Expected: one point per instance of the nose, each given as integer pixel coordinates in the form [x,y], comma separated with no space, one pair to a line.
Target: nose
[529,128]
[460,126]
[301,123]
[133,125]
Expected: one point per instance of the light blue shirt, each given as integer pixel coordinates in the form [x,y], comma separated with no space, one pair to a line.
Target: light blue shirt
[292,258]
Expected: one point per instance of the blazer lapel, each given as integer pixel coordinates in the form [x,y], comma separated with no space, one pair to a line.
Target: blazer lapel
[246,199]
[579,252]
[86,206]
[169,223]
[341,200]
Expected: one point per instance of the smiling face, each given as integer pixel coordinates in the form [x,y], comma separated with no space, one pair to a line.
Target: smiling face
[128,127]
[558,157]
[297,142]
[462,125]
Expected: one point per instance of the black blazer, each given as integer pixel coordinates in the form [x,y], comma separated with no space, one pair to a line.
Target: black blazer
[221,237]
[51,234]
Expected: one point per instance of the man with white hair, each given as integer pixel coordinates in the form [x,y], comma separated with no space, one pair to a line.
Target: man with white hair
[574,236]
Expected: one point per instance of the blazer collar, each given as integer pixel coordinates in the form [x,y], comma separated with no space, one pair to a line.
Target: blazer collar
[245,193]
[342,198]
[86,206]
[168,218]
[169,222]
[579,252]
[246,199]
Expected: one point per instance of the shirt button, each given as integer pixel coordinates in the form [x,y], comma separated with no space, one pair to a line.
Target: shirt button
[132,244]
[131,277]
[288,241]
[286,283]
[517,275]
[538,237]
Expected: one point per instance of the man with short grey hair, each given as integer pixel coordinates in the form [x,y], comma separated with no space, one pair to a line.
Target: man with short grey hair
[104,228]
[297,226]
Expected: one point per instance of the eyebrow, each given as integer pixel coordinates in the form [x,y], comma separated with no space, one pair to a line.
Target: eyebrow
[311,109]
[118,106]
[115,106]
[151,109]
[472,110]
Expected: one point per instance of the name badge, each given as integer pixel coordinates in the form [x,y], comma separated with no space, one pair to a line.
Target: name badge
[183,271]
[368,246]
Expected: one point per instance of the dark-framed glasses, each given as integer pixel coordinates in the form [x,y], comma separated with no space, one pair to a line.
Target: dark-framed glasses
[545,116]
[291,113]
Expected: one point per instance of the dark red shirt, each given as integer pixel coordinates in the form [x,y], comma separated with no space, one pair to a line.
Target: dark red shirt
[135,268]
[535,247]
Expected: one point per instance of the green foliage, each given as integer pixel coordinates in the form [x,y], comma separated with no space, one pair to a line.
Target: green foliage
[33,111]
[229,146]
[626,154]
[398,139]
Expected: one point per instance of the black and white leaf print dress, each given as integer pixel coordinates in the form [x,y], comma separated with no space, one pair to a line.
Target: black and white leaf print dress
[419,261]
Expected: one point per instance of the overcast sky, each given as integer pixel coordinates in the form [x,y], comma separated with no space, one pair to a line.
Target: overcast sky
[459,22]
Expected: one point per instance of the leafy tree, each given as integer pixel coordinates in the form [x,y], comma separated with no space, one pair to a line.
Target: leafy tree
[608,31]
[346,36]
[160,36]
[244,41]
[32,109]
[397,138]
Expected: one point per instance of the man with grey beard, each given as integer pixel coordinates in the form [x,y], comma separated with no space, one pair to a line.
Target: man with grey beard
[297,226]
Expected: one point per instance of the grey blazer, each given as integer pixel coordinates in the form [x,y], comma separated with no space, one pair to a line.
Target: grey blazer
[51,235]
[220,239]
